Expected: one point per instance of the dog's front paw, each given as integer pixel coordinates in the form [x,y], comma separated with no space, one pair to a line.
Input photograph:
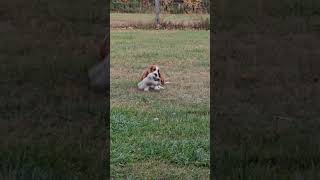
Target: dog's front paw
[158,88]
[146,89]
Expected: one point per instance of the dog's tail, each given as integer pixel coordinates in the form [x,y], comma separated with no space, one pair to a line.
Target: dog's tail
[167,82]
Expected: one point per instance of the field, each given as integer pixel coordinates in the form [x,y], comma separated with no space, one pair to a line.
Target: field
[51,124]
[160,134]
[266,99]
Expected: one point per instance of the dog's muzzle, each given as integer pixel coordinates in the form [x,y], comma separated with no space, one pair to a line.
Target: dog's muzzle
[156,79]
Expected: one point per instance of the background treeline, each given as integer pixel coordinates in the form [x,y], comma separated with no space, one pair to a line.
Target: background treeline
[223,7]
[278,8]
[229,8]
[168,6]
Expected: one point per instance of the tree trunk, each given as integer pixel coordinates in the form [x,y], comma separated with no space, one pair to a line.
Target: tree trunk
[157,8]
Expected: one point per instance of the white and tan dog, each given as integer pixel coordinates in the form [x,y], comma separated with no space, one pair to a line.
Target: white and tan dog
[153,68]
[152,81]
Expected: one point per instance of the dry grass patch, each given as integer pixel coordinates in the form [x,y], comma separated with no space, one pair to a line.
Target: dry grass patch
[168,21]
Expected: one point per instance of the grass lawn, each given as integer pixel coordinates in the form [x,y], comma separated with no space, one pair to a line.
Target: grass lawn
[51,124]
[160,134]
[266,100]
[118,19]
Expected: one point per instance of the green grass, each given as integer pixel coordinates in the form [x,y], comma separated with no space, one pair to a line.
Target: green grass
[266,120]
[160,134]
[51,123]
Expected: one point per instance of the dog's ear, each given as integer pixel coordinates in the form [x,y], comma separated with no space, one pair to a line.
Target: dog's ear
[104,47]
[159,73]
[144,75]
[162,80]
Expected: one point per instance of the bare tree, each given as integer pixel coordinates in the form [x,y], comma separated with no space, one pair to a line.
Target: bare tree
[157,9]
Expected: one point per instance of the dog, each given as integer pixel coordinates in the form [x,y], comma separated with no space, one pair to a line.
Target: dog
[152,81]
[150,69]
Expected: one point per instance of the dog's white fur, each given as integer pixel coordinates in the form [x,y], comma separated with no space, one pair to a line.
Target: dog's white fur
[152,81]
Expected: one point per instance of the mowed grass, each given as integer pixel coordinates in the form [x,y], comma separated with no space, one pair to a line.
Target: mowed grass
[266,103]
[51,123]
[160,134]
[118,19]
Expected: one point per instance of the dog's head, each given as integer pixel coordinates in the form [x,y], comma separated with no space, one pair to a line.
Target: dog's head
[153,69]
